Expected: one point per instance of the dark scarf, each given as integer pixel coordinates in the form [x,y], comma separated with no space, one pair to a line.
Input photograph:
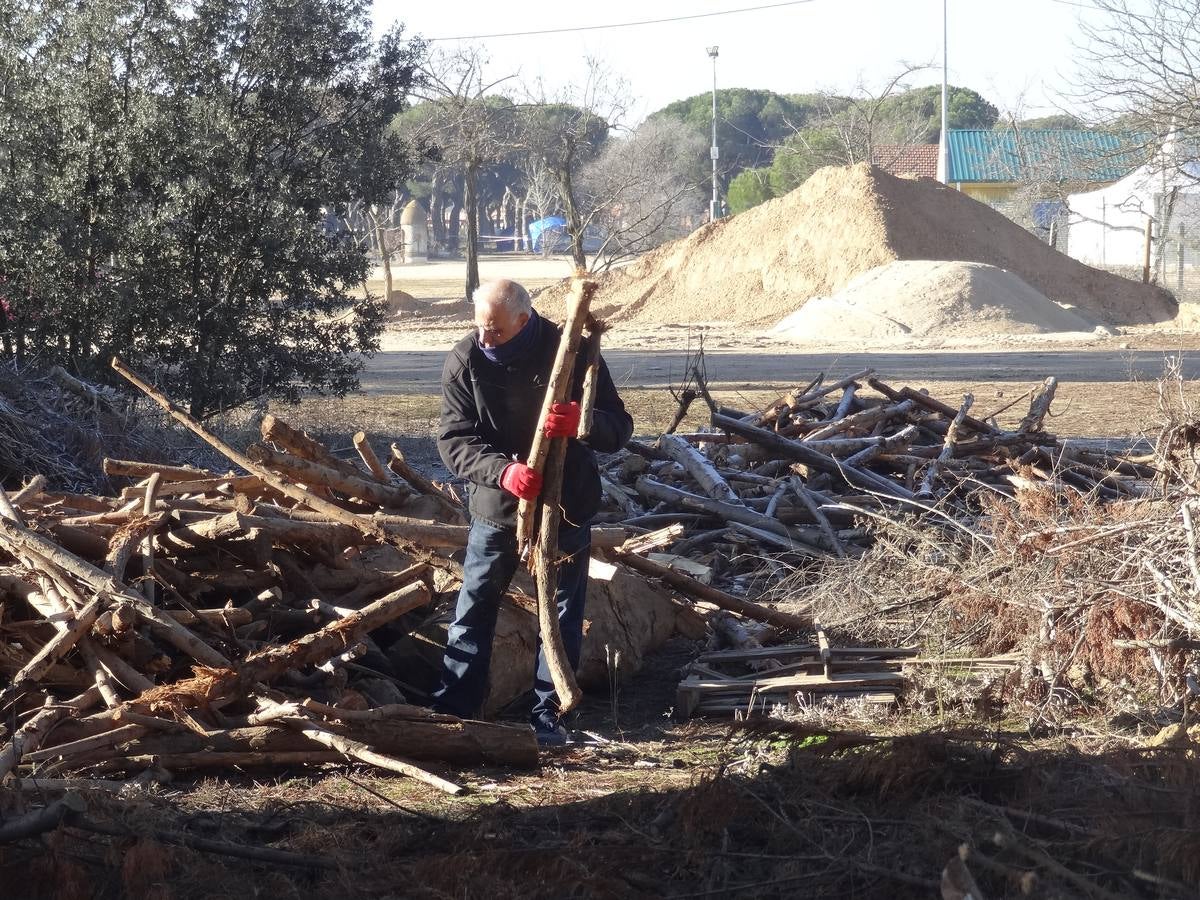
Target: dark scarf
[514,348]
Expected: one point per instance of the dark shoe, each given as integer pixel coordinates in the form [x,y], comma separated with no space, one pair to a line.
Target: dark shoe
[548,735]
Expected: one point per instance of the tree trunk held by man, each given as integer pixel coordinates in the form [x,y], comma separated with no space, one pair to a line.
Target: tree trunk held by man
[546,456]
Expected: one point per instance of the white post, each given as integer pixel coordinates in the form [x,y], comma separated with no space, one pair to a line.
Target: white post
[943,170]
[714,209]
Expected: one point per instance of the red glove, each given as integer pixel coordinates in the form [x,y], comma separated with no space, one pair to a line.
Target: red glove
[562,420]
[521,481]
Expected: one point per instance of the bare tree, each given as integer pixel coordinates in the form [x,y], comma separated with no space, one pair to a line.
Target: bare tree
[471,125]
[644,189]
[565,129]
[851,129]
[1139,70]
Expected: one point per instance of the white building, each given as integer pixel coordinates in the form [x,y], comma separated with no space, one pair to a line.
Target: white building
[1107,227]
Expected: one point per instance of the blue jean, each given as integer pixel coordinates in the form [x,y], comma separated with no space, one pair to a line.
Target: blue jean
[487,571]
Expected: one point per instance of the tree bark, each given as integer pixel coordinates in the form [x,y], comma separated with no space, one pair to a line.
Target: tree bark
[311,473]
[549,454]
[472,205]
[696,590]
[699,467]
[398,464]
[813,458]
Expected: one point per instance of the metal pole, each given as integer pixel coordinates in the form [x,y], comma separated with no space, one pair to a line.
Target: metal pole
[943,141]
[714,210]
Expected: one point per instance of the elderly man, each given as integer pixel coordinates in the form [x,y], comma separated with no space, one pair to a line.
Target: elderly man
[493,385]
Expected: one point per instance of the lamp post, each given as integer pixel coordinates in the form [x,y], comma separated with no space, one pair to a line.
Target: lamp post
[943,167]
[714,210]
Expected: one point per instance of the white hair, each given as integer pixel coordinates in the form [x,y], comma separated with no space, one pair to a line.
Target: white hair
[506,294]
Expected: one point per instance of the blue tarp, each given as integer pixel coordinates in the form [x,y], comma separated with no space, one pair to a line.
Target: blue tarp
[551,230]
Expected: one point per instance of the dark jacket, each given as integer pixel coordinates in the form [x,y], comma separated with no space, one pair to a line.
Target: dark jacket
[490,413]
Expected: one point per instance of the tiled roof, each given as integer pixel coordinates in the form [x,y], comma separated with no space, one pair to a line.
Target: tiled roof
[1040,155]
[906,159]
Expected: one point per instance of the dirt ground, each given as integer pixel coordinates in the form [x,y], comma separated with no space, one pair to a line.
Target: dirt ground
[659,808]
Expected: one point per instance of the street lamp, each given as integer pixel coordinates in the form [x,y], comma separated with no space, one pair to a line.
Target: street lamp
[943,166]
[714,211]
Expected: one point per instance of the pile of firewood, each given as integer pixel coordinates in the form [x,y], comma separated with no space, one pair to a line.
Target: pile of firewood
[801,480]
[203,621]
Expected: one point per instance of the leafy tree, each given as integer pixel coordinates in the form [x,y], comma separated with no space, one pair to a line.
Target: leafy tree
[169,169]
[914,116]
[750,123]
[1041,123]
[750,188]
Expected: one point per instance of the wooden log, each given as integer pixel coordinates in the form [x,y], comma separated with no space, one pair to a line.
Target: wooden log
[133,469]
[772,539]
[686,397]
[122,546]
[700,468]
[311,473]
[332,639]
[363,445]
[615,492]
[1039,406]
[29,736]
[641,543]
[53,650]
[105,739]
[546,455]
[281,484]
[83,542]
[952,436]
[285,531]
[845,404]
[276,431]
[868,417]
[18,539]
[116,666]
[591,378]
[44,819]
[813,458]
[812,504]
[398,464]
[948,411]
[545,559]
[558,390]
[30,490]
[208,760]
[695,590]
[299,721]
[727,512]
[400,730]
[244,484]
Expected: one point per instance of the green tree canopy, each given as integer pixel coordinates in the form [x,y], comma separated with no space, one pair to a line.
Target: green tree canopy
[750,123]
[914,116]
[171,173]
[750,188]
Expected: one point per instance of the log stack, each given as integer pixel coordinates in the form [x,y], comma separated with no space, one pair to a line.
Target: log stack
[812,475]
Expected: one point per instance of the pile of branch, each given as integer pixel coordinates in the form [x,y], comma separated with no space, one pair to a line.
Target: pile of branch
[203,620]
[799,481]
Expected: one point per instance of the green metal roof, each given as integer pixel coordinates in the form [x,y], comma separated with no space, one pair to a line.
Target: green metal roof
[1057,155]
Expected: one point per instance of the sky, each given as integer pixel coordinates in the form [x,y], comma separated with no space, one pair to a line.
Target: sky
[1017,53]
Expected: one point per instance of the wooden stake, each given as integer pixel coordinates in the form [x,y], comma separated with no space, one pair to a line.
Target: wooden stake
[365,452]
[547,456]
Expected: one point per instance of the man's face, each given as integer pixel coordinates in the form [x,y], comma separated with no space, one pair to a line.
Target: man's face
[496,324]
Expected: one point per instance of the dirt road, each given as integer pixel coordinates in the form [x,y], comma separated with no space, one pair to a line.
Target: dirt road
[419,372]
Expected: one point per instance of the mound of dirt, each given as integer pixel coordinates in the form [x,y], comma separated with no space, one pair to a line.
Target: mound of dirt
[761,265]
[907,299]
